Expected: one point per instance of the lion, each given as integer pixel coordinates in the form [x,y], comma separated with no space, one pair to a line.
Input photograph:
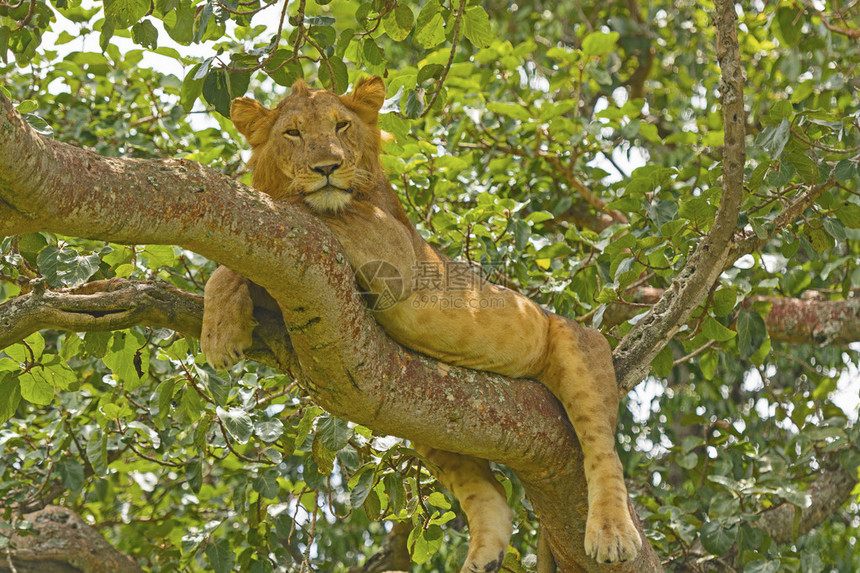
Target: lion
[323,149]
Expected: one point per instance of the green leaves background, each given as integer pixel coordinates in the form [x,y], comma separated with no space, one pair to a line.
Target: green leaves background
[496,137]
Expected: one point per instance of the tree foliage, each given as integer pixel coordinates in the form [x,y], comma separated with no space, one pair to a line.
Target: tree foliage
[572,151]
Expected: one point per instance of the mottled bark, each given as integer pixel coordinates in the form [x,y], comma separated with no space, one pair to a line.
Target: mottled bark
[826,495]
[393,556]
[63,543]
[812,321]
[816,321]
[114,304]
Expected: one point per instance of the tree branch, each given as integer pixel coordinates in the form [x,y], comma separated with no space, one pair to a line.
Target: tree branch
[365,377]
[63,543]
[815,321]
[645,340]
[826,495]
[115,304]
[751,242]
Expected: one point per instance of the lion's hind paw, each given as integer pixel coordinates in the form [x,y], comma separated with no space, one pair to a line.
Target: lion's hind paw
[612,539]
[224,346]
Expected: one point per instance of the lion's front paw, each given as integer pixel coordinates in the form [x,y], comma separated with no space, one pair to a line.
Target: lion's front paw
[223,342]
[610,538]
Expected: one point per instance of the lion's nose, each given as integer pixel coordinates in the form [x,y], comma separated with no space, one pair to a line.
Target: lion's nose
[326,169]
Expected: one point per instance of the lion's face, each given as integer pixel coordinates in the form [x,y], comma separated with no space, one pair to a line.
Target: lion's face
[314,144]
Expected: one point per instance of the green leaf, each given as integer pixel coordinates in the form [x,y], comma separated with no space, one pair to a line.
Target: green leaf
[724,301]
[396,492]
[597,44]
[283,73]
[194,474]
[36,389]
[774,137]
[752,332]
[362,488]
[220,556]
[269,430]
[513,110]
[716,331]
[28,350]
[716,538]
[372,506]
[182,28]
[340,82]
[849,215]
[398,23]
[10,395]
[266,484]
[96,343]
[121,359]
[845,170]
[333,432]
[780,110]
[708,364]
[237,422]
[72,474]
[66,267]
[323,456]
[788,26]
[27,106]
[159,256]
[145,34]
[126,12]
[305,424]
[430,26]
[476,25]
[425,543]
[220,88]
[810,562]
[430,71]
[96,451]
[663,362]
[554,251]
[699,211]
[371,52]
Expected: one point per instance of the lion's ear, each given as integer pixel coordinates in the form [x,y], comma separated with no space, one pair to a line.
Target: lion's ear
[252,119]
[366,99]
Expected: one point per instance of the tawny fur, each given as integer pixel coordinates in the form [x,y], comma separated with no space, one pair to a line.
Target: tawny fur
[324,148]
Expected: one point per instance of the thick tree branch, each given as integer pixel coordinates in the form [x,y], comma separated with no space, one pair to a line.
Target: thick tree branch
[365,377]
[115,304]
[815,321]
[826,495]
[63,543]
[645,340]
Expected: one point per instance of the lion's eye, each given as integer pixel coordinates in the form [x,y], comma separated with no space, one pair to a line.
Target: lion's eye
[341,125]
[293,133]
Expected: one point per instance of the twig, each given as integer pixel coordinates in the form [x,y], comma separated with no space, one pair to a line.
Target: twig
[694,353]
[454,41]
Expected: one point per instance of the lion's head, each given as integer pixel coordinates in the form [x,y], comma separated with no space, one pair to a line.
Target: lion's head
[315,144]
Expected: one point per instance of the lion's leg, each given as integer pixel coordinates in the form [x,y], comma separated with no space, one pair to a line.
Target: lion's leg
[581,374]
[483,501]
[228,318]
